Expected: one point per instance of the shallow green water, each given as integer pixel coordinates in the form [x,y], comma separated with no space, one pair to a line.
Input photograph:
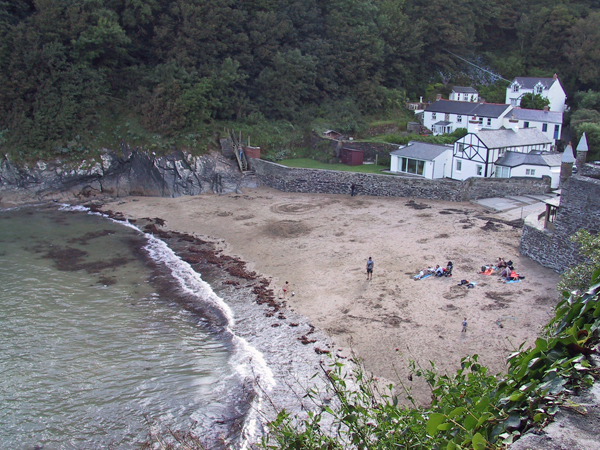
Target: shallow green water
[86,353]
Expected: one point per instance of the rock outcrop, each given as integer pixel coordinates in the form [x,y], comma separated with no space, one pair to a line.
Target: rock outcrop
[131,172]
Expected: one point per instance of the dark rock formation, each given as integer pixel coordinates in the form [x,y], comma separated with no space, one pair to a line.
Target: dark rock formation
[131,173]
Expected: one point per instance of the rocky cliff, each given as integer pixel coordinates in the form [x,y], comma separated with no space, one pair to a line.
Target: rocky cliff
[130,172]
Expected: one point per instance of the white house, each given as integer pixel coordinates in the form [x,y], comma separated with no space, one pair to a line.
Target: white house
[445,116]
[549,88]
[534,164]
[465,94]
[548,122]
[422,159]
[475,154]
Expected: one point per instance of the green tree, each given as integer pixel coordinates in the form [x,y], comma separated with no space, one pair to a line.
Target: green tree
[582,50]
[534,101]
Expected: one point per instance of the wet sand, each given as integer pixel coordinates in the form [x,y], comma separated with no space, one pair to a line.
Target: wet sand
[320,244]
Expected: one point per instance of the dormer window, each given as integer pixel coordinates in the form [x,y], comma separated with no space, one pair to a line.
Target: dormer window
[539,89]
[515,87]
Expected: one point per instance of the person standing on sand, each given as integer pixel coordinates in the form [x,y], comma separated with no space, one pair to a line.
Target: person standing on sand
[352,190]
[285,288]
[370,265]
[464,324]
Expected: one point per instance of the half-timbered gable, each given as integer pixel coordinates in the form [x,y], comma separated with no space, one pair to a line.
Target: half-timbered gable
[475,154]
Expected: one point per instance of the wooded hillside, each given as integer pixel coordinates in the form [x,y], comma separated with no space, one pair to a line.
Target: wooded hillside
[71,71]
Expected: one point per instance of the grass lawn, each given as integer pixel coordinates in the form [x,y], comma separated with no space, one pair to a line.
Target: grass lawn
[308,163]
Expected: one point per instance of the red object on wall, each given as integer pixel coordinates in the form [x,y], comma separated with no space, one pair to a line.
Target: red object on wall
[352,157]
[252,152]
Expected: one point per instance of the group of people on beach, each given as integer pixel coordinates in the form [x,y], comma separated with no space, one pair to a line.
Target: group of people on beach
[438,271]
[507,271]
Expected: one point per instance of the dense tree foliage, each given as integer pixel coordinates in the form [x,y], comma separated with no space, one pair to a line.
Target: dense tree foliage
[72,69]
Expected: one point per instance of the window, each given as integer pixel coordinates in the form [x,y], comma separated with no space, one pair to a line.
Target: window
[526,125]
[458,166]
[544,127]
[515,87]
[413,166]
[556,131]
[479,170]
[513,102]
[539,89]
[459,119]
[502,172]
[433,116]
[447,117]
[460,147]
[481,121]
[489,122]
[530,172]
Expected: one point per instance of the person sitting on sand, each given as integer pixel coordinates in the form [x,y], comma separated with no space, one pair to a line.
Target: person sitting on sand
[506,272]
[501,263]
[439,271]
[487,270]
[425,271]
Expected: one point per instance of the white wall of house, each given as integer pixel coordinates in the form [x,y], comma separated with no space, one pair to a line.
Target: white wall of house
[530,171]
[461,121]
[463,97]
[550,130]
[465,168]
[431,169]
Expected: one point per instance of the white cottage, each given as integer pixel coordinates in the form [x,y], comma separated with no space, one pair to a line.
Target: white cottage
[549,88]
[548,122]
[464,94]
[445,116]
[475,154]
[422,159]
[534,164]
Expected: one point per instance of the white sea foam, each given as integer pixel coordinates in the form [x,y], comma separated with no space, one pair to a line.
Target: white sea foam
[247,362]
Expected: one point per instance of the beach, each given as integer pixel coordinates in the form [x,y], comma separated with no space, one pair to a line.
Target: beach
[320,244]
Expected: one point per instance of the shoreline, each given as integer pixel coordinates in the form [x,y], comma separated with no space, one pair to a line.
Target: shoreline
[320,243]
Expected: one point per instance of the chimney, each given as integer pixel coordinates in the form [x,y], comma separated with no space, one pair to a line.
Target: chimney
[421,99]
[555,77]
[512,119]
[438,97]
[546,108]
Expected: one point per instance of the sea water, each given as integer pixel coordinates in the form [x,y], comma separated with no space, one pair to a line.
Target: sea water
[92,353]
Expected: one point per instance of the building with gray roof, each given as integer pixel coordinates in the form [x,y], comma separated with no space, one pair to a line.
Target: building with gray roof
[421,159]
[446,116]
[549,88]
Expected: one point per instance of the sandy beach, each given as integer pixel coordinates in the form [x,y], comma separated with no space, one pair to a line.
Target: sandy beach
[320,243]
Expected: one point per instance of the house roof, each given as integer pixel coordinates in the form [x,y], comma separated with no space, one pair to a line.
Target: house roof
[531,82]
[510,138]
[533,158]
[442,123]
[493,110]
[421,150]
[464,89]
[535,115]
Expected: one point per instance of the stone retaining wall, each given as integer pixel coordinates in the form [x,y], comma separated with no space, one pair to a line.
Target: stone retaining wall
[579,209]
[289,179]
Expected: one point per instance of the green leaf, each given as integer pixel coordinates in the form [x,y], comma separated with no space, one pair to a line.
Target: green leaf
[444,427]
[517,396]
[539,417]
[484,418]
[456,412]
[482,404]
[479,442]
[451,446]
[435,419]
[470,422]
